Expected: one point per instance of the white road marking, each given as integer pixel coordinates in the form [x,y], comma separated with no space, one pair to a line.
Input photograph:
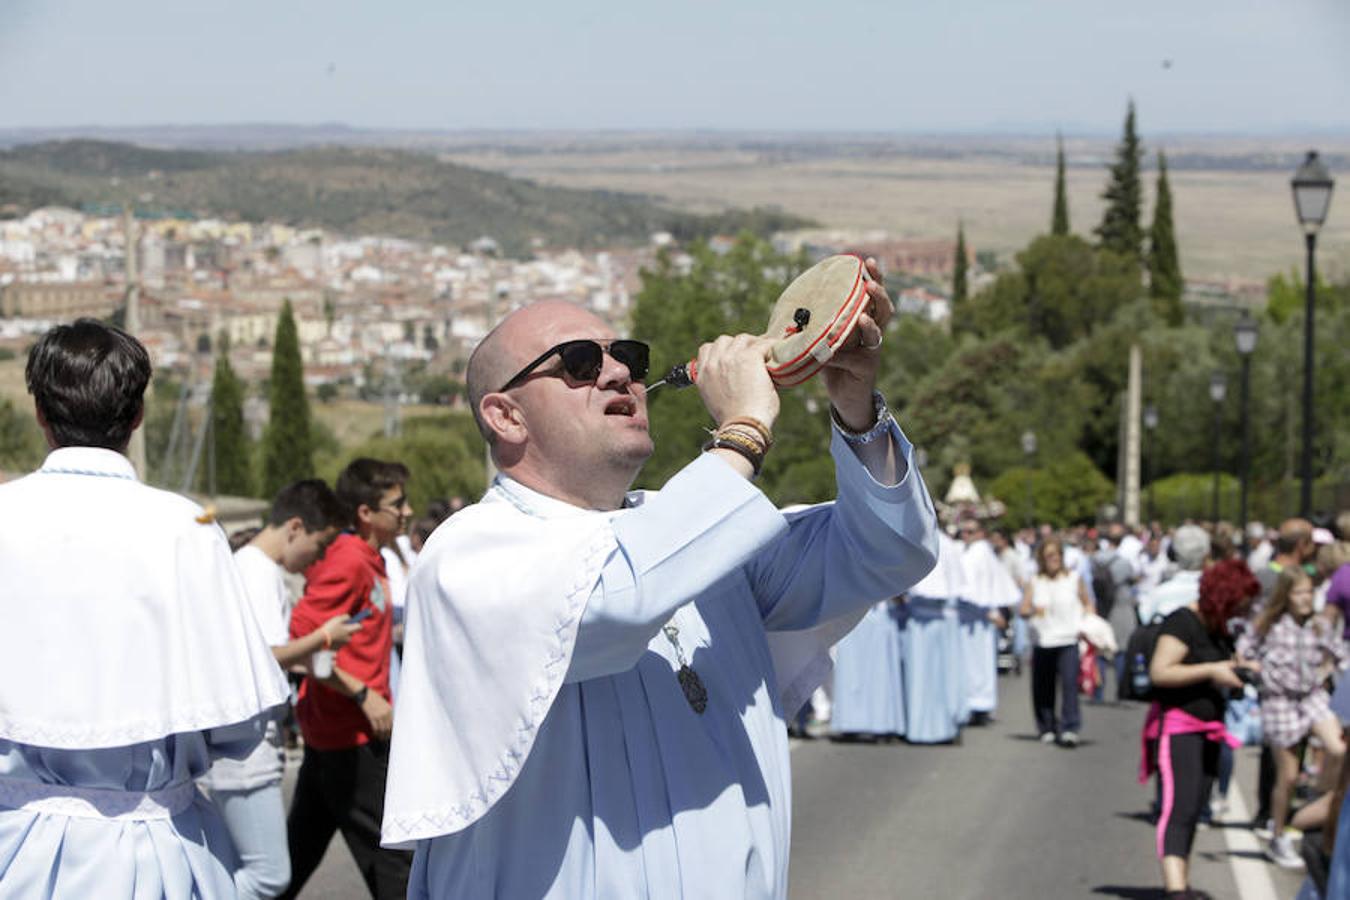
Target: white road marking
[1252,873]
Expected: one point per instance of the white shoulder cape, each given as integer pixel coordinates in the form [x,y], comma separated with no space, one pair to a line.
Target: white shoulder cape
[521,582]
[129,617]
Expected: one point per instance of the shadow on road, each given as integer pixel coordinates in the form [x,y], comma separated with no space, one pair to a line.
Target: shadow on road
[1036,739]
[1141,816]
[1130,893]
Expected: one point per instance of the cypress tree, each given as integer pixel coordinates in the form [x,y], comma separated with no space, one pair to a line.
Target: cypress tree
[1165,284]
[1120,231]
[231,453]
[1059,225]
[288,452]
[959,266]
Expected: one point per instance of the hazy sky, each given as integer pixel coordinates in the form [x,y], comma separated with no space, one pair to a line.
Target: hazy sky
[893,65]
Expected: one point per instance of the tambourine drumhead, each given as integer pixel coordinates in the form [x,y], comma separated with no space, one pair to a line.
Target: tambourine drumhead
[814,316]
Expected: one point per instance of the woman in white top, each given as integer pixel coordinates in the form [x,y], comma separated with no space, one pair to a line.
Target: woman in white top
[1055,602]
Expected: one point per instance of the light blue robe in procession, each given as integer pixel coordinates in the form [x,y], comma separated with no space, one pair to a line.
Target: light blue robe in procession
[626,792]
[189,855]
[869,690]
[935,683]
[141,661]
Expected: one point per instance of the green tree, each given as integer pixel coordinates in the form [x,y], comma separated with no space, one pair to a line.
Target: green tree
[21,445]
[444,454]
[232,454]
[1068,491]
[1165,284]
[1063,290]
[1059,223]
[1286,296]
[287,450]
[959,283]
[1120,231]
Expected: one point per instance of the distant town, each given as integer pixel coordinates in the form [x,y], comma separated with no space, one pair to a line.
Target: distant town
[362,304]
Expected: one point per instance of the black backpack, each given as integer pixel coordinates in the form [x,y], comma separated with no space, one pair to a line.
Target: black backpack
[1103,586]
[1136,685]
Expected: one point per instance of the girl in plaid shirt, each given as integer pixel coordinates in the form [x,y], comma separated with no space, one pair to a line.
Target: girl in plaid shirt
[1298,651]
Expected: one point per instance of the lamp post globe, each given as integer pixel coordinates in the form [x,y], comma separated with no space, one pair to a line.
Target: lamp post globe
[1218,387]
[1029,449]
[1312,185]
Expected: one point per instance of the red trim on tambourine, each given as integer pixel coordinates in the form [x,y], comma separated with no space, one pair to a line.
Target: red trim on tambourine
[801,367]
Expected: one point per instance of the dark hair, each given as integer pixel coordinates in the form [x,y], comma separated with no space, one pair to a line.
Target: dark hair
[439,509]
[364,480]
[1226,588]
[313,502]
[421,530]
[89,382]
[241,537]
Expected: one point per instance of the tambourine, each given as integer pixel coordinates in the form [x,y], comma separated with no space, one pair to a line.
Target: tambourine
[810,321]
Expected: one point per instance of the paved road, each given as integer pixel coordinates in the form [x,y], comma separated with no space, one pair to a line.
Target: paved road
[999,816]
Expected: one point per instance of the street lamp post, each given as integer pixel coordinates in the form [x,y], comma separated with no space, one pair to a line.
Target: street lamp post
[1245,334]
[1218,389]
[1150,423]
[1029,449]
[1312,185]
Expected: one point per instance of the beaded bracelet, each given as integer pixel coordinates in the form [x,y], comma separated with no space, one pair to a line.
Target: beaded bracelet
[755,424]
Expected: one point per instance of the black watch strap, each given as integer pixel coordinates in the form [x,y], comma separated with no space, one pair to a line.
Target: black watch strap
[360,696]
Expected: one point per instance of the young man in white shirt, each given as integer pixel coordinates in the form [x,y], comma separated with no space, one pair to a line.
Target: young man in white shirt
[304,519]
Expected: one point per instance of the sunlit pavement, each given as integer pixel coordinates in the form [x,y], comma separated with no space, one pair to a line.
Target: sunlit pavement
[997,816]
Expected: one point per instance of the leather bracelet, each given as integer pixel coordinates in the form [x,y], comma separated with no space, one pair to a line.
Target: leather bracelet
[721,442]
[745,433]
[747,439]
[759,427]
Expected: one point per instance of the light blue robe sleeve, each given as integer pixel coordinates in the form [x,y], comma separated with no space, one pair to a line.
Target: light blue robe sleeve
[874,542]
[703,526]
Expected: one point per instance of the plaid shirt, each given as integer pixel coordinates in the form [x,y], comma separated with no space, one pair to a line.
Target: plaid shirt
[1292,695]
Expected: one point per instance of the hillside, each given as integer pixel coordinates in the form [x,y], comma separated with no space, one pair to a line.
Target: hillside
[362,191]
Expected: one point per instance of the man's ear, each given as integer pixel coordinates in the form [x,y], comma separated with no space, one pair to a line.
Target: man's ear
[504,417]
[294,527]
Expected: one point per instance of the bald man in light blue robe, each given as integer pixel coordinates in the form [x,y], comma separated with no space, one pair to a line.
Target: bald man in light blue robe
[594,702]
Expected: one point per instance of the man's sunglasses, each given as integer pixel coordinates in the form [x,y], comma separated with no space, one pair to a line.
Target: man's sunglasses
[582,360]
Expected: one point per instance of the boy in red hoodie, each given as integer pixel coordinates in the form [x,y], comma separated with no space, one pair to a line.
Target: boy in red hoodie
[347,717]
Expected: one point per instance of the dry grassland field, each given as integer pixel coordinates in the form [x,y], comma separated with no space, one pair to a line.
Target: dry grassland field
[1230,222]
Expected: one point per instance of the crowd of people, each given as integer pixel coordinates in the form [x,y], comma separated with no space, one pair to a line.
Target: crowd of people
[594,686]
[1232,642]
[591,695]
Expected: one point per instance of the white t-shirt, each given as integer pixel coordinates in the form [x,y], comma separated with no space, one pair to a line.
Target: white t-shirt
[1058,608]
[266,591]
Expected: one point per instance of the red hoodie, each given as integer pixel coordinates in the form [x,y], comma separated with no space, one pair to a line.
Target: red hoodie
[350,578]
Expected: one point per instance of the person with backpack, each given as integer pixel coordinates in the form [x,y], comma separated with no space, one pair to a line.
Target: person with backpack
[1112,579]
[1055,602]
[1192,669]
